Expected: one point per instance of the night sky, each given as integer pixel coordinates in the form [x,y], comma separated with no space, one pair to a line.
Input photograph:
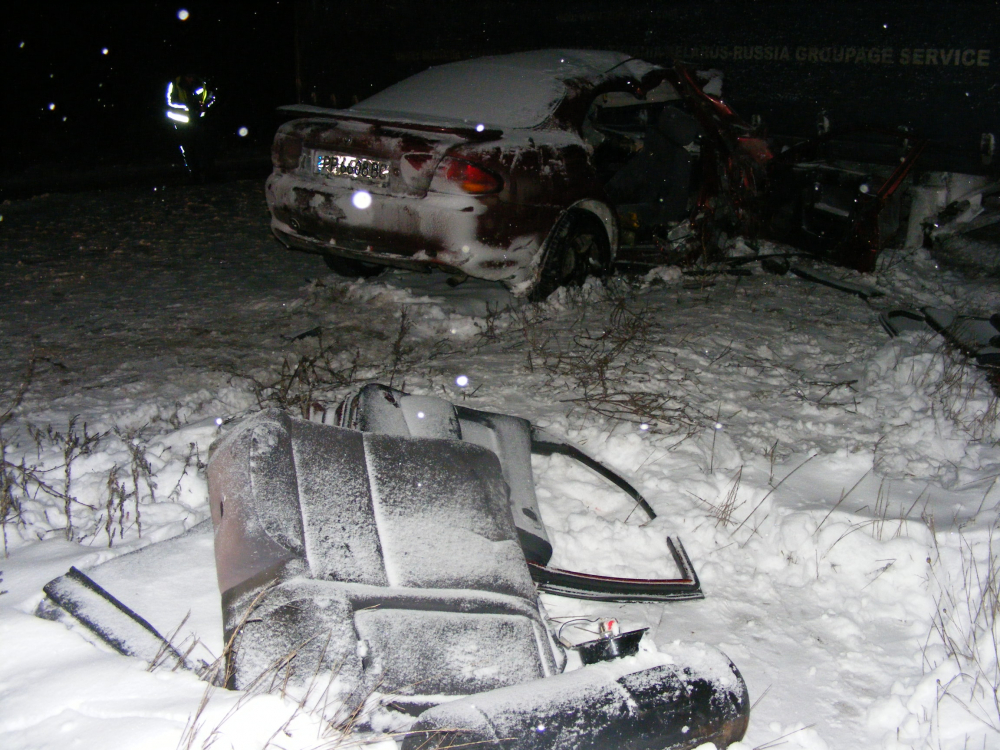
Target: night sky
[84,83]
[68,105]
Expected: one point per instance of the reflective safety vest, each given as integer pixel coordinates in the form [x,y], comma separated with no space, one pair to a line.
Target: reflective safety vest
[186,96]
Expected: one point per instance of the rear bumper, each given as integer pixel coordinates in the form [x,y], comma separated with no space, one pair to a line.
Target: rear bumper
[478,236]
[287,237]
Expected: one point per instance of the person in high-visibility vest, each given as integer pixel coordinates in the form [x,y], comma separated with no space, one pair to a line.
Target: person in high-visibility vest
[188,98]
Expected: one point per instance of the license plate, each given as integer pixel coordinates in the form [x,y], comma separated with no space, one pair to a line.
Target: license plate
[354,167]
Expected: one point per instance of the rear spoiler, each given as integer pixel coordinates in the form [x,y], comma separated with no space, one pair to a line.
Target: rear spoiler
[402,120]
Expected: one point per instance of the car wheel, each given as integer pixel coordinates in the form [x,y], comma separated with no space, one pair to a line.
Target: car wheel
[352,269]
[578,248]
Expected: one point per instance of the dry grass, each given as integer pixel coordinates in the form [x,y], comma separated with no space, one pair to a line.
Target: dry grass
[13,475]
[73,443]
[723,511]
[313,376]
[962,392]
[127,486]
[336,721]
[966,623]
[600,359]
[20,480]
[304,382]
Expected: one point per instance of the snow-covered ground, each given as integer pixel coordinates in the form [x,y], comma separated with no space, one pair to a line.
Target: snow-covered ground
[835,489]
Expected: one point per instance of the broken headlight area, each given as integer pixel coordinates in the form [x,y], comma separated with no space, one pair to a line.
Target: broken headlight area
[841,209]
[701,176]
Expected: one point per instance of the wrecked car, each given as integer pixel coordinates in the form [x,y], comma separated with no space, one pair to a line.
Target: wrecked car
[540,168]
[534,169]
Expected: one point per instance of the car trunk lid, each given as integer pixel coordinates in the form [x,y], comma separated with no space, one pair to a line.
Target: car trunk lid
[383,155]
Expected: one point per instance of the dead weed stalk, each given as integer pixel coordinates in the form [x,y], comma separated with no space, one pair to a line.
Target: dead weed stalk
[73,444]
[304,382]
[966,624]
[605,359]
[13,476]
[723,511]
[963,393]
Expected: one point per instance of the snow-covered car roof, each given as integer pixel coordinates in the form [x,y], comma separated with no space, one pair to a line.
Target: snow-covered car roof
[519,90]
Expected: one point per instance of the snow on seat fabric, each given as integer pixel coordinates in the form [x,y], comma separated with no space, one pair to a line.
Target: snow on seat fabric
[378,408]
[391,562]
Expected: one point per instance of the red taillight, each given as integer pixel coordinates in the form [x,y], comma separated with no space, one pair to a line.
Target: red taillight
[286,152]
[757,149]
[457,176]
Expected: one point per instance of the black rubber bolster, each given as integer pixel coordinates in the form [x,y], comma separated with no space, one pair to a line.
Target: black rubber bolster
[60,592]
[609,589]
[536,550]
[544,447]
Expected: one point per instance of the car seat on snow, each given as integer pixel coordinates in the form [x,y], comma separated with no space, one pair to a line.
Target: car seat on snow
[390,560]
[392,564]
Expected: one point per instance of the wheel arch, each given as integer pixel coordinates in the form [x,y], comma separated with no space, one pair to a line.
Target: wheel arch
[603,212]
[597,209]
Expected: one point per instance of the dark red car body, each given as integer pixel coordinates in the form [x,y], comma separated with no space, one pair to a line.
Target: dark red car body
[537,168]
[422,214]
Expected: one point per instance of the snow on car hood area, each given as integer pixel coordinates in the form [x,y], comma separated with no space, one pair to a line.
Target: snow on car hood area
[836,490]
[517,91]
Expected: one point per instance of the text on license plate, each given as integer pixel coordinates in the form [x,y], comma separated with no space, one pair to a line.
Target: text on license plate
[368,170]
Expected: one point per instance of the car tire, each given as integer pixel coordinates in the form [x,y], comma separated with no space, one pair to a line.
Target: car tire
[352,269]
[578,248]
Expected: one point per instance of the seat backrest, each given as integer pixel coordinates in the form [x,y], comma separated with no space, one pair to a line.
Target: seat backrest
[405,544]
[378,408]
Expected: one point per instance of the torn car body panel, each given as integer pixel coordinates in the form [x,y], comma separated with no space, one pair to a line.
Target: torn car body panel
[843,212]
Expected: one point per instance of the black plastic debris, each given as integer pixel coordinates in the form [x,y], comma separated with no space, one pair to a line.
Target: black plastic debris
[976,337]
[610,646]
[864,291]
[896,322]
[77,596]
[120,604]
[380,409]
